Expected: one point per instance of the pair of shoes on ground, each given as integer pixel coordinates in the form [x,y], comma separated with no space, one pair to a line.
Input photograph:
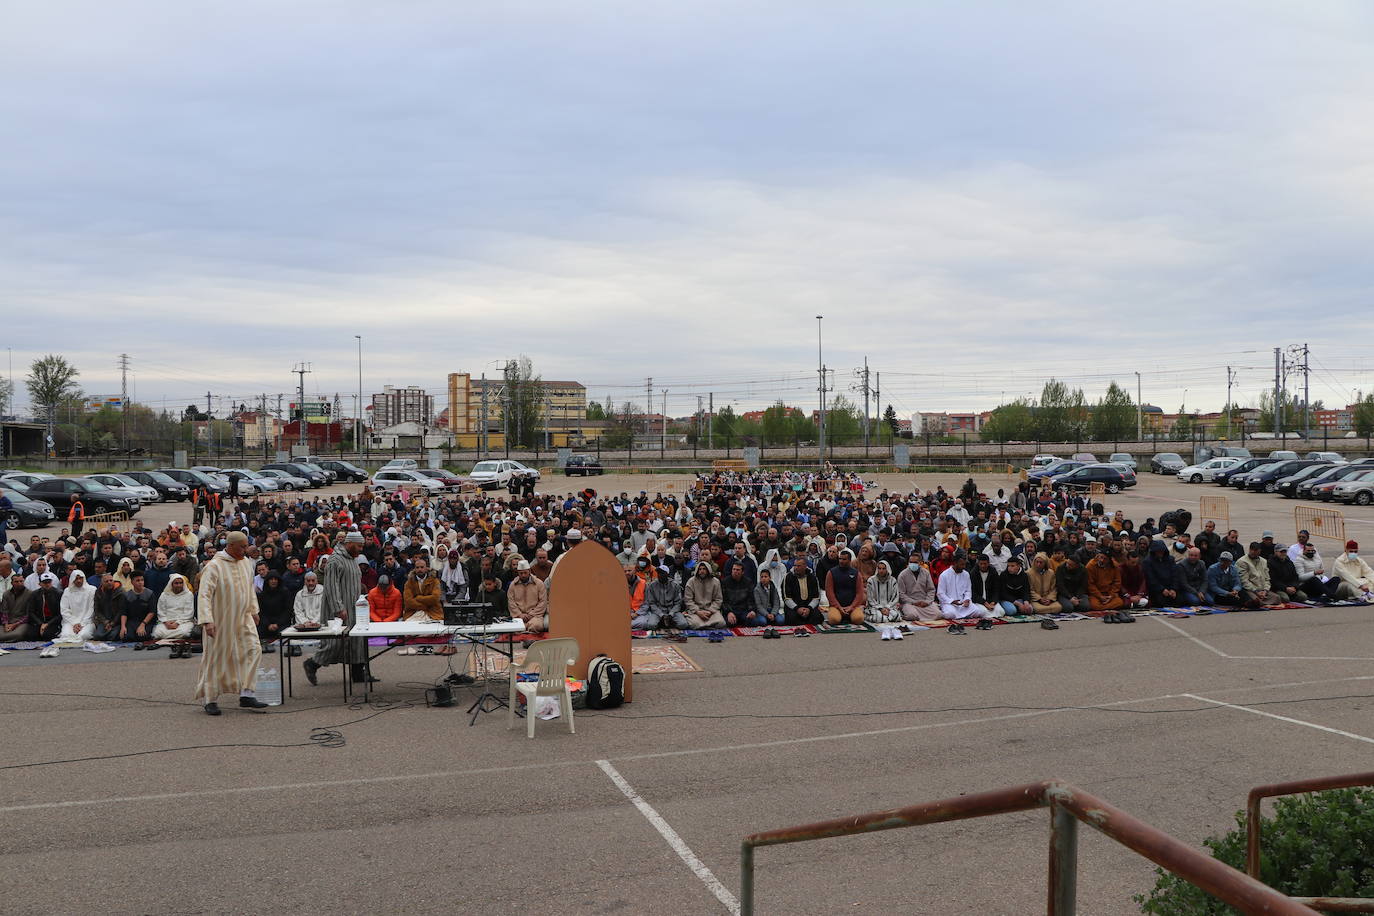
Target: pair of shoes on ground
[771,633]
[716,636]
[212,709]
[1048,624]
[180,652]
[955,629]
[1118,617]
[889,633]
[49,652]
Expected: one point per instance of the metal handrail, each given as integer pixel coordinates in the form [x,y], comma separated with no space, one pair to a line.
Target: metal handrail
[1254,826]
[1068,805]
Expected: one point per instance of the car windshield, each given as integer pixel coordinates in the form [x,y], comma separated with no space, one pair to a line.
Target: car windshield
[127,481]
[160,478]
[1169,455]
[485,466]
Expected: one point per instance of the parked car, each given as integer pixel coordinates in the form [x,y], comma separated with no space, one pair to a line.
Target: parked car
[1039,461]
[26,478]
[403,464]
[169,489]
[1239,481]
[450,480]
[1282,454]
[390,479]
[1243,466]
[495,474]
[1167,463]
[584,465]
[296,469]
[1207,470]
[344,470]
[285,480]
[1333,457]
[1113,479]
[1062,466]
[315,465]
[251,482]
[1122,458]
[1358,489]
[1334,474]
[193,478]
[145,493]
[24,511]
[1085,457]
[1229,451]
[59,492]
[1287,487]
[1268,478]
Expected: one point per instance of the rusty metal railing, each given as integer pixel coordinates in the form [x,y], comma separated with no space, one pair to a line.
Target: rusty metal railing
[1068,805]
[1300,787]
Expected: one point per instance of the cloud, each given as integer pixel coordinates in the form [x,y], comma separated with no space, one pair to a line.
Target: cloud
[977,197]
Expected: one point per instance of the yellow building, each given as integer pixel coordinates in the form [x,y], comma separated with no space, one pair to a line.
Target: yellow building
[564,404]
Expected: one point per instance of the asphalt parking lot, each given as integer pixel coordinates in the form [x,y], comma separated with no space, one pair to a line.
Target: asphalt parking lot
[110,764]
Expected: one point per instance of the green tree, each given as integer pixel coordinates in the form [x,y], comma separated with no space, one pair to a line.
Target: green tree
[6,397]
[727,426]
[843,425]
[524,402]
[51,381]
[595,411]
[1184,426]
[1364,416]
[776,427]
[1012,422]
[621,431]
[890,418]
[1062,414]
[1292,417]
[1113,417]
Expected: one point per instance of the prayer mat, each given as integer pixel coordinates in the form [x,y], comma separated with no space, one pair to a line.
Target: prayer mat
[24,646]
[645,634]
[785,630]
[706,633]
[654,658]
[845,628]
[1021,618]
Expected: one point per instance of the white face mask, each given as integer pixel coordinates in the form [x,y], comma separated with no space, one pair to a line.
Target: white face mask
[1352,554]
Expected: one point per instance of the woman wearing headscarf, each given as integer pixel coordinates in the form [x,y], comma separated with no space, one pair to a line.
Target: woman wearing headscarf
[176,615]
[78,610]
[773,563]
[880,596]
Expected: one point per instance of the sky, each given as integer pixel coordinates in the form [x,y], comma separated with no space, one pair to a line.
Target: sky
[975,196]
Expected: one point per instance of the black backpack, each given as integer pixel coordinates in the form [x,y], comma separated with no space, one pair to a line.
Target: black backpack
[605,683]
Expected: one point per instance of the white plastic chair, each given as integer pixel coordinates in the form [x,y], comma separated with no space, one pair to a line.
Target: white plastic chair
[552,657]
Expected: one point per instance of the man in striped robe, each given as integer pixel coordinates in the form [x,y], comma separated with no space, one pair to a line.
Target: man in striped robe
[342,583]
[228,616]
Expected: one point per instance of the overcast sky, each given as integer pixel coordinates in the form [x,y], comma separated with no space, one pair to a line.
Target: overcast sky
[975,195]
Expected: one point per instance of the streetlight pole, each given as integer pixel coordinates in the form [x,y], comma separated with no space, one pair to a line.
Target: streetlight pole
[358,411]
[820,373]
[1138,408]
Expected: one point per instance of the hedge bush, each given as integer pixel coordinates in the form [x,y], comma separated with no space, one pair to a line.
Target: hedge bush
[1315,845]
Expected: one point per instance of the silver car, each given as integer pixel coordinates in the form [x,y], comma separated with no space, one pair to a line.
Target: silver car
[128,486]
[284,480]
[1198,473]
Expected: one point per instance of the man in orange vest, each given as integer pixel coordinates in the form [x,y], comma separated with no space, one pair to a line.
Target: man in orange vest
[77,516]
[197,506]
[215,504]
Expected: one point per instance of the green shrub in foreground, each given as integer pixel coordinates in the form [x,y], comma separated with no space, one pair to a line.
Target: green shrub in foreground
[1316,845]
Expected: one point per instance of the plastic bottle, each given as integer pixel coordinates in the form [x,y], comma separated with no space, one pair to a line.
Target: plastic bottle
[269,686]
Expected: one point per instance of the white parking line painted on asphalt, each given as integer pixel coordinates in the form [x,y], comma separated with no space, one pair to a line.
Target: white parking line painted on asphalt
[1265,658]
[1289,719]
[563,764]
[679,846]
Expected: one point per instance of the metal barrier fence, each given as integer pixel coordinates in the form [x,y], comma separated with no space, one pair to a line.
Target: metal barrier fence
[1068,805]
[1214,509]
[96,518]
[1299,787]
[1320,523]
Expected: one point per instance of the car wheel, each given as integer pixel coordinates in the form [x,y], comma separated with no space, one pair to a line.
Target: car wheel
[1196,478]
[1269,488]
[12,519]
[1364,498]
[1113,488]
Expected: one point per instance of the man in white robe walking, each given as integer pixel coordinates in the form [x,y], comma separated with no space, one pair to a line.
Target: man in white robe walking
[228,615]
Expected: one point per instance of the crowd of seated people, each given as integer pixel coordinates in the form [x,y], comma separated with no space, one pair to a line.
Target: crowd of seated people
[741,549]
